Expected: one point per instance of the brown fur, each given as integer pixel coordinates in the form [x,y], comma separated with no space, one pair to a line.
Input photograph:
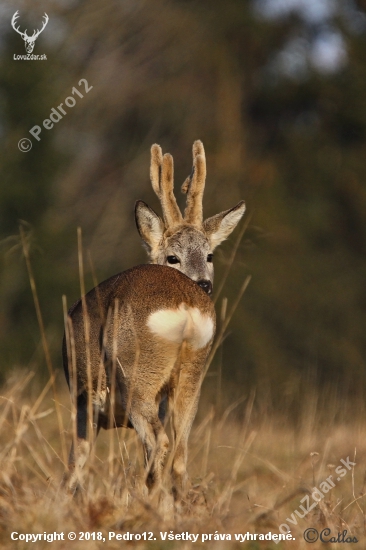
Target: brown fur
[147,368]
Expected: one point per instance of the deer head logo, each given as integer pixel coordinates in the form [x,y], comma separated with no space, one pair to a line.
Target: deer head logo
[29,40]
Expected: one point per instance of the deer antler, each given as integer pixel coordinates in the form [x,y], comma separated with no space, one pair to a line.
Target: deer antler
[161,174]
[37,33]
[24,35]
[162,180]
[194,186]
[13,21]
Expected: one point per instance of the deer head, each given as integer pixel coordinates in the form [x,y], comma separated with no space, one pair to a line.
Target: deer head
[184,242]
[29,40]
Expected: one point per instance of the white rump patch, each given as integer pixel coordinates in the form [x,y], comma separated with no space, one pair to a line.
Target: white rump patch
[184,323]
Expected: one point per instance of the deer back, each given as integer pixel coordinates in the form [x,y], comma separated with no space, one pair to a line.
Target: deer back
[139,319]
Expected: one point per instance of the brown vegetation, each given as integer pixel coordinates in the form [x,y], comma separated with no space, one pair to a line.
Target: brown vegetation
[249,471]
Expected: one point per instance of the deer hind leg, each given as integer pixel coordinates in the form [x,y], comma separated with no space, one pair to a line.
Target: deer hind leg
[79,455]
[163,408]
[147,424]
[183,402]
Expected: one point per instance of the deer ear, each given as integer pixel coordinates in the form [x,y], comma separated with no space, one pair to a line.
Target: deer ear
[149,225]
[219,227]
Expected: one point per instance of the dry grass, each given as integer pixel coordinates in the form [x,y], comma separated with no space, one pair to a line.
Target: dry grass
[248,475]
[250,469]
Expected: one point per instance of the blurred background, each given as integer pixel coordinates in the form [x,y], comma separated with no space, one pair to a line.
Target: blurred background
[276,90]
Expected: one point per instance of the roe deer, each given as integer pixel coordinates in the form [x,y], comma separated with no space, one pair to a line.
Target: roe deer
[138,342]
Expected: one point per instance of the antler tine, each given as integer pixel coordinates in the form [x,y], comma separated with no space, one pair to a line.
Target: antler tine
[13,21]
[172,214]
[162,180]
[15,17]
[36,32]
[194,186]
[155,168]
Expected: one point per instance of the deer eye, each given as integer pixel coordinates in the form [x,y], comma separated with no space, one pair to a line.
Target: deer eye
[173,260]
[210,257]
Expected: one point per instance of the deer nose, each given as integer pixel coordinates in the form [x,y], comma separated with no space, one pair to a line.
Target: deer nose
[205,285]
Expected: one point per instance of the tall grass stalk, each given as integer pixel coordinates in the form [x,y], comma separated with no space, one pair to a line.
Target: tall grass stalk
[46,351]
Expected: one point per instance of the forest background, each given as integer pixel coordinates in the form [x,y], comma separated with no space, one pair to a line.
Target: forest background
[276,90]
